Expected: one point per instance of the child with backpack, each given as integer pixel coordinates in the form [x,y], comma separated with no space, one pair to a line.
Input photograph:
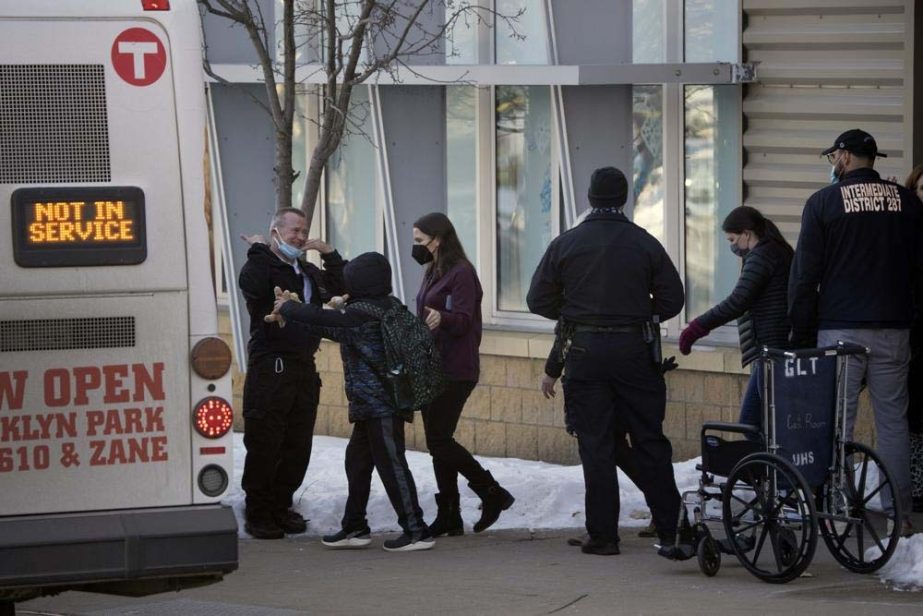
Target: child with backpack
[377,439]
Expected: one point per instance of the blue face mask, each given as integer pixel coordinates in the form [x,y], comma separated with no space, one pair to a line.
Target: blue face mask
[740,252]
[288,250]
[834,176]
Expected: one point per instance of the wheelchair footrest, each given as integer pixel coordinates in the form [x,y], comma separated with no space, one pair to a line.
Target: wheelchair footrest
[683,551]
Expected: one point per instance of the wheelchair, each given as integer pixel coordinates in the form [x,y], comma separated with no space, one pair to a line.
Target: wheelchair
[792,479]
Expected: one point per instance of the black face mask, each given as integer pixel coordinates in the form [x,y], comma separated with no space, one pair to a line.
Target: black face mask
[421,254]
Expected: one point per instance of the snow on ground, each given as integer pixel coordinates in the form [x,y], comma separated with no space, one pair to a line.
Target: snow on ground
[548,496]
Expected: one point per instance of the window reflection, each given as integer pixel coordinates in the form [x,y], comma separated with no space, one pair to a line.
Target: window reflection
[647,31]
[647,176]
[301,128]
[301,33]
[351,174]
[461,37]
[461,161]
[528,44]
[711,31]
[524,189]
[712,190]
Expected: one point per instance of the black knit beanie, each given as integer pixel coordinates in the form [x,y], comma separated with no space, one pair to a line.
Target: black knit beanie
[608,188]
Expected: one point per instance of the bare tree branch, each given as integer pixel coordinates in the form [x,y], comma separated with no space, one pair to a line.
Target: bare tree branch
[370,36]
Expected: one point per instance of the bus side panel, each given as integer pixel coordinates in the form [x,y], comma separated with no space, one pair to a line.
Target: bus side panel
[103,427]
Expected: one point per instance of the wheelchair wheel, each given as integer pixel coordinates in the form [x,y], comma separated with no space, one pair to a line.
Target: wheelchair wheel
[853,518]
[709,556]
[769,517]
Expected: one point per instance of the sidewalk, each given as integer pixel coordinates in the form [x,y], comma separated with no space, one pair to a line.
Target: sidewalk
[504,572]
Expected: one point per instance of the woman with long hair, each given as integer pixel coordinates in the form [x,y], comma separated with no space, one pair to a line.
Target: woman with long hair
[759,301]
[449,301]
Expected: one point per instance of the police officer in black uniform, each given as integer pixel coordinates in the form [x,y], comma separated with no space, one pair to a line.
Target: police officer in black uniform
[607,279]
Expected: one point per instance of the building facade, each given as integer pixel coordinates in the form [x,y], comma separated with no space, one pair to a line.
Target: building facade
[502,127]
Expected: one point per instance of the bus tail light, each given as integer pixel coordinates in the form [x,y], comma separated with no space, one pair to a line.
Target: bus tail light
[213,417]
[213,480]
[211,358]
[155,5]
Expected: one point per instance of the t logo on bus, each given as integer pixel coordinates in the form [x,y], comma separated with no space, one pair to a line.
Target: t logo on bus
[138,56]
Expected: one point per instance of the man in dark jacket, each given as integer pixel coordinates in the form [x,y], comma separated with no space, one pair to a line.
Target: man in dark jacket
[606,279]
[282,387]
[855,268]
[377,440]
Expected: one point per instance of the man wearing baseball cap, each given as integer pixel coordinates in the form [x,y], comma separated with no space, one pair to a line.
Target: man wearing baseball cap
[856,268]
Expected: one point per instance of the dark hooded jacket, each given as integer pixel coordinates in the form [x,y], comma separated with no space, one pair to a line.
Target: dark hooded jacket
[758,301]
[263,271]
[367,278]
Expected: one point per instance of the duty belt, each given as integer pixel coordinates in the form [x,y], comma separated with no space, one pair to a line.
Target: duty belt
[608,329]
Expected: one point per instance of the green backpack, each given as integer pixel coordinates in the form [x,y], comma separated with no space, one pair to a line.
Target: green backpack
[414,376]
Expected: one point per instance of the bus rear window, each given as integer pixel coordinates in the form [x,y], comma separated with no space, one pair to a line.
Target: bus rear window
[79,226]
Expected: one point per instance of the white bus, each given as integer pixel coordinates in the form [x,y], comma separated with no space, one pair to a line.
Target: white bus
[115,443]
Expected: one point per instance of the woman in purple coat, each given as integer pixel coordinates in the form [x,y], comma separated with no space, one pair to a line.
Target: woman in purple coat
[449,301]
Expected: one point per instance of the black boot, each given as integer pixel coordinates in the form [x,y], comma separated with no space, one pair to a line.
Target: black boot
[494,499]
[448,517]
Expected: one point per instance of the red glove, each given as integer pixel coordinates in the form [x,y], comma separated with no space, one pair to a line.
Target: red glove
[693,332]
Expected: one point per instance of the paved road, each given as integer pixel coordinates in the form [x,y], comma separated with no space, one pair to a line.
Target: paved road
[507,572]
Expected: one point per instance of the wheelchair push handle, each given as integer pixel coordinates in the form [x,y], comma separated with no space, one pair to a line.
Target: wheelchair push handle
[840,349]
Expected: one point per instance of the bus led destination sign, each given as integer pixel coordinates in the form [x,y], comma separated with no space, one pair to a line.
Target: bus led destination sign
[61,227]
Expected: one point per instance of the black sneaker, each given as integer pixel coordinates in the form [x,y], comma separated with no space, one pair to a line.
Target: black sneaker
[600,548]
[407,543]
[263,529]
[291,522]
[577,542]
[348,539]
[744,542]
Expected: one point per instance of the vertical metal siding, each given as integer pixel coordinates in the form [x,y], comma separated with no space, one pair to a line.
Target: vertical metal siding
[825,66]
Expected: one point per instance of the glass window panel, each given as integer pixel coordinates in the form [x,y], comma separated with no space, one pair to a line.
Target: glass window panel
[301,32]
[461,38]
[712,190]
[461,163]
[524,189]
[301,127]
[647,177]
[647,31]
[529,43]
[352,196]
[711,31]
[347,16]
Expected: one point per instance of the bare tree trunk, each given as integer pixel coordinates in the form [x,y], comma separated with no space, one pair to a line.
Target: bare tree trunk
[284,175]
[312,183]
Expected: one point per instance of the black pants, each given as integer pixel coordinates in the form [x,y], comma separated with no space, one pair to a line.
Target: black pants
[623,456]
[440,418]
[611,382]
[379,444]
[280,408]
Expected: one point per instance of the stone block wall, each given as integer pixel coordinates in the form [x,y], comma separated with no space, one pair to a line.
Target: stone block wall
[506,415]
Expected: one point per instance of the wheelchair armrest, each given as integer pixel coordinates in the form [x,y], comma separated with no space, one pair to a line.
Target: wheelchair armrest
[722,426]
